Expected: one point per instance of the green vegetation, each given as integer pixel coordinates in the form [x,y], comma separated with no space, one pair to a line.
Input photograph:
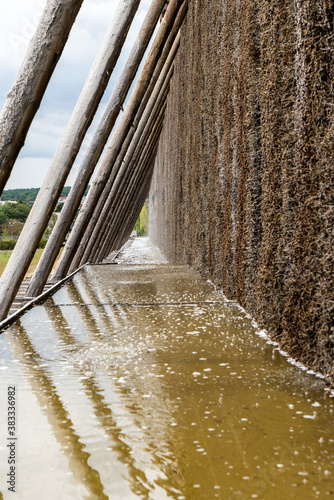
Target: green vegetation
[29,194]
[14,211]
[7,243]
[43,242]
[12,218]
[26,194]
[14,215]
[5,255]
[141,225]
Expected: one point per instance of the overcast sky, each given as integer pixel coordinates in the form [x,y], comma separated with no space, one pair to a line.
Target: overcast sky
[18,20]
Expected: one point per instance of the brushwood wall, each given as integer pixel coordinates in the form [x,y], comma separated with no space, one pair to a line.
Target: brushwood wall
[243,182]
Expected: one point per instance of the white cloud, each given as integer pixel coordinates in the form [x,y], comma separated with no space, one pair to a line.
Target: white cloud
[26,171]
[45,133]
[29,169]
[18,21]
[67,81]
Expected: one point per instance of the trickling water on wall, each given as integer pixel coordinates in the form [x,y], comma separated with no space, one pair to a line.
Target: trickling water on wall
[243,183]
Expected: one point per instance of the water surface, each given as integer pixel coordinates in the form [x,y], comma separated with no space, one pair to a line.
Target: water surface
[142,381]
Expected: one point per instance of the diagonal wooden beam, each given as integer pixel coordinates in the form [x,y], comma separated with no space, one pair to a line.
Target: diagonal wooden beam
[66,153]
[95,149]
[130,194]
[119,137]
[32,80]
[122,165]
[121,209]
[137,203]
[101,212]
[124,178]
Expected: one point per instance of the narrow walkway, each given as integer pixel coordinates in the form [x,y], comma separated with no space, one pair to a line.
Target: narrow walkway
[140,380]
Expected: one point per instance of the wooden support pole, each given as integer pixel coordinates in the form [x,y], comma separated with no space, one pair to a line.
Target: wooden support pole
[133,211]
[121,184]
[141,134]
[65,155]
[95,149]
[132,195]
[32,80]
[152,98]
[128,228]
[132,214]
[117,141]
[127,197]
[101,230]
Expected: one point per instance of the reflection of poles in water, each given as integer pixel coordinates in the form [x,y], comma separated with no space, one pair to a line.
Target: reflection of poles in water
[97,298]
[96,294]
[58,417]
[75,292]
[80,303]
[101,409]
[11,225]
[88,216]
[110,316]
[130,399]
[128,393]
[120,318]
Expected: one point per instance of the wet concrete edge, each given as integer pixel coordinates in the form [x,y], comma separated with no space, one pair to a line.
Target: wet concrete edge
[36,300]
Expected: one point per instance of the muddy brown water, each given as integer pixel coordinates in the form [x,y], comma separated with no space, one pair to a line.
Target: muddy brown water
[142,381]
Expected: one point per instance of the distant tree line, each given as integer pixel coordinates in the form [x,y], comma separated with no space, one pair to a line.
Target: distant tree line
[26,194]
[29,194]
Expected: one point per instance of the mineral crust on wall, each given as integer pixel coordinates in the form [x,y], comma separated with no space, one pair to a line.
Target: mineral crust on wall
[243,181]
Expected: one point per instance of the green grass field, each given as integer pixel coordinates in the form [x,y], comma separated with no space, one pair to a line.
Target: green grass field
[4,258]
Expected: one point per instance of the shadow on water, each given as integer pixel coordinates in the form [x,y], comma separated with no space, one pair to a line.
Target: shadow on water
[101,410]
[58,417]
